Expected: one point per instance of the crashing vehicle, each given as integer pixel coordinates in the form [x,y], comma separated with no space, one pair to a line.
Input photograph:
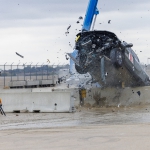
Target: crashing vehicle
[110,61]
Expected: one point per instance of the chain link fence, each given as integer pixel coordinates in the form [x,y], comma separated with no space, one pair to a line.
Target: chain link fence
[11,72]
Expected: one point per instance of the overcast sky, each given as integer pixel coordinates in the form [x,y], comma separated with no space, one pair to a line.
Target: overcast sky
[36,28]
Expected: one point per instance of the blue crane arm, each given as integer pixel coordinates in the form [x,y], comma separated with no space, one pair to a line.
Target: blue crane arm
[91,11]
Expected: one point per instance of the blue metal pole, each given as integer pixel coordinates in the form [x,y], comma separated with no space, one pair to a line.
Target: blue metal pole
[91,11]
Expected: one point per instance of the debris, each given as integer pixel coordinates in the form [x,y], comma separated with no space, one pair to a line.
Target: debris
[66,57]
[106,74]
[19,55]
[118,105]
[113,110]
[69,27]
[139,93]
[78,22]
[80,17]
[66,33]
[48,60]
[109,21]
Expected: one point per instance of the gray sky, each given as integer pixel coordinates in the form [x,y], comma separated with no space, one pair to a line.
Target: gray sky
[36,28]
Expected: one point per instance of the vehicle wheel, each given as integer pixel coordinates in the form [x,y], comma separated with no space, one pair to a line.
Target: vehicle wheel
[116,57]
[80,70]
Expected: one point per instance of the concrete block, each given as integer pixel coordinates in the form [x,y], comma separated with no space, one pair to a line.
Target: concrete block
[45,82]
[128,96]
[16,83]
[32,83]
[26,100]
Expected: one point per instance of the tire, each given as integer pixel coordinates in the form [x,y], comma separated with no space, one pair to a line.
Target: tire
[116,57]
[80,70]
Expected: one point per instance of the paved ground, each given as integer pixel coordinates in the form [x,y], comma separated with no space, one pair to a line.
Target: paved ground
[114,137]
[96,128]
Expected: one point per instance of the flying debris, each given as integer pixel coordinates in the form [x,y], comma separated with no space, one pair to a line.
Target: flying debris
[48,60]
[67,32]
[66,57]
[80,17]
[109,21]
[70,45]
[68,27]
[19,55]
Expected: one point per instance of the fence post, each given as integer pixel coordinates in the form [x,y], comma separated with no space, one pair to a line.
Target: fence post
[24,71]
[17,71]
[36,71]
[4,74]
[11,71]
[30,70]
[42,71]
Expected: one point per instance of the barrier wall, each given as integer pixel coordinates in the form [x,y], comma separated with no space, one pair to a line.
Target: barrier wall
[119,96]
[63,99]
[36,100]
[128,96]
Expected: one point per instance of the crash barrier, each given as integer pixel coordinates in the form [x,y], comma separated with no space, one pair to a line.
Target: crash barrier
[34,83]
[110,96]
[65,100]
[37,100]
[118,96]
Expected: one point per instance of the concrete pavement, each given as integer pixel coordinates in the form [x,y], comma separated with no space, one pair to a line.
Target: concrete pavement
[106,137]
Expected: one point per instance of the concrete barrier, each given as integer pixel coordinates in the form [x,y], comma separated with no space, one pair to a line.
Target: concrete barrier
[118,96]
[32,83]
[36,100]
[45,82]
[61,99]
[17,83]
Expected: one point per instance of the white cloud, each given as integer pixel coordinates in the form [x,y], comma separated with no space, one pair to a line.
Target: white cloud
[33,27]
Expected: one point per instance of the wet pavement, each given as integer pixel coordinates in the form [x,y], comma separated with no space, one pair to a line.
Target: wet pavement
[83,116]
[88,128]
